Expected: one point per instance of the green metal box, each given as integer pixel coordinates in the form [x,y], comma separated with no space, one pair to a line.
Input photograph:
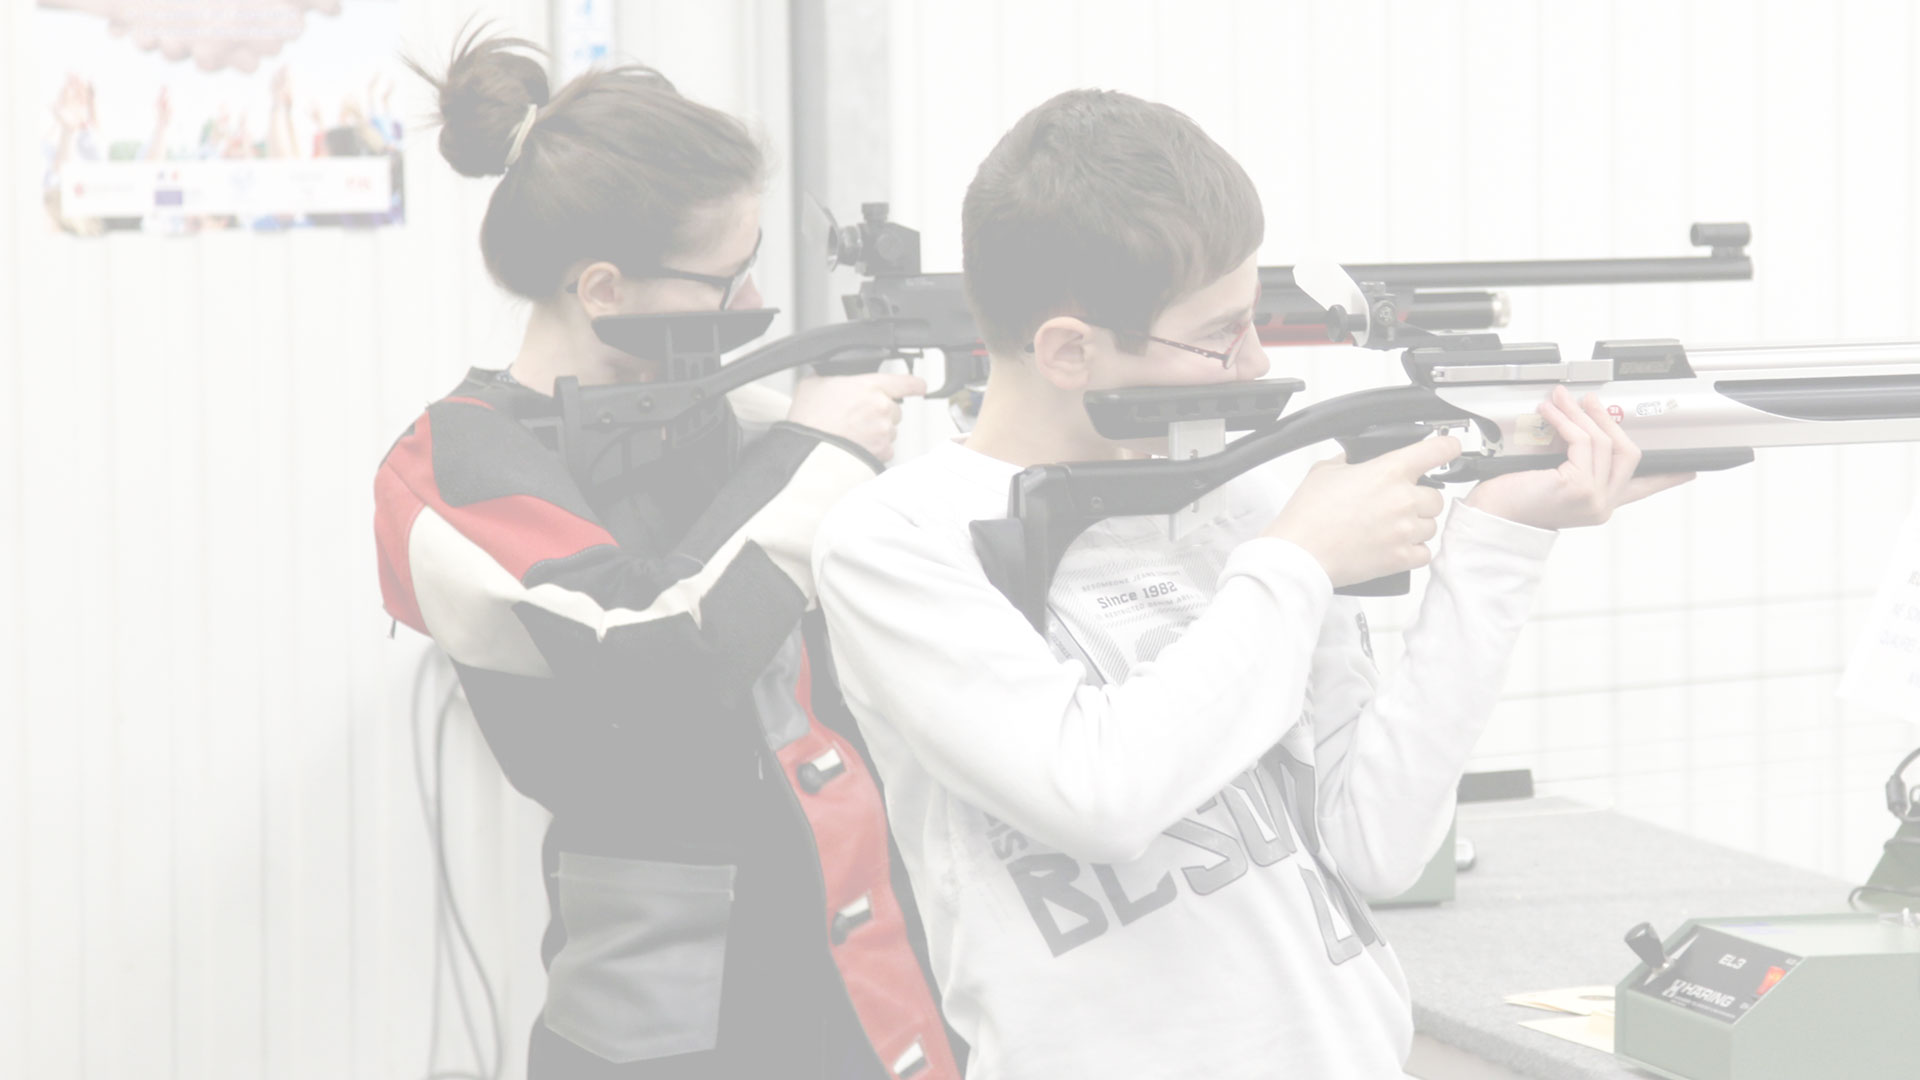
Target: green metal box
[1786,998]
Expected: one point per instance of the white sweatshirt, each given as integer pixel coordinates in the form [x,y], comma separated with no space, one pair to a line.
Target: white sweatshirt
[1137,842]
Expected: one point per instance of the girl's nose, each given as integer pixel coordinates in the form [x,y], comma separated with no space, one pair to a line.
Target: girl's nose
[747,297]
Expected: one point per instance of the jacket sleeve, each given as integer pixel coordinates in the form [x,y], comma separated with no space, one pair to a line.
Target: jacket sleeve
[929,651]
[1390,753]
[487,545]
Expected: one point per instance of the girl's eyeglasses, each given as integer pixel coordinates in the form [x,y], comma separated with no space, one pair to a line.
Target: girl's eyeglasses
[729,286]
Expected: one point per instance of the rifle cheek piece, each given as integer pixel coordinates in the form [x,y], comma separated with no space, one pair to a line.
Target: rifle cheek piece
[1053,504]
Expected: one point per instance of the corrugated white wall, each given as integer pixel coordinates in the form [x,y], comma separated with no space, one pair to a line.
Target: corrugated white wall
[215,864]
[212,861]
[1683,663]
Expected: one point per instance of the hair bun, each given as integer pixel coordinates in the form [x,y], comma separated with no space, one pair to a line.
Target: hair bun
[484,98]
[618,166]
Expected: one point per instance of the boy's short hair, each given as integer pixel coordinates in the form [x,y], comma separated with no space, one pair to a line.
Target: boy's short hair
[1101,205]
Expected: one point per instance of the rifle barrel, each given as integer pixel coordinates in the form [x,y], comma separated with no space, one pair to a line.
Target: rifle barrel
[1760,358]
[1498,275]
[1743,396]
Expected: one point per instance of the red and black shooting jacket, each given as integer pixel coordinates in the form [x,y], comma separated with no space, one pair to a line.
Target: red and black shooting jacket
[641,661]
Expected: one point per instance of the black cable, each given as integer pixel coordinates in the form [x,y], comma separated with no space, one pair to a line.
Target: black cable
[1900,802]
[443,941]
[1900,798]
[415,707]
[1853,898]
[446,904]
[453,903]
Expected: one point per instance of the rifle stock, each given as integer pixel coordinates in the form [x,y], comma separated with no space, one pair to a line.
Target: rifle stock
[1693,411]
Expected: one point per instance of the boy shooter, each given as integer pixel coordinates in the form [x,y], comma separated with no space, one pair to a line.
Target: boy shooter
[1141,840]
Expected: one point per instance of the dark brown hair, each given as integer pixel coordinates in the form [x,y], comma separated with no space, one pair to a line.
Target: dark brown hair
[613,168]
[1104,206]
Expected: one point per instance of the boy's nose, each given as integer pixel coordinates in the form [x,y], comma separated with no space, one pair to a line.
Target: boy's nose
[1251,362]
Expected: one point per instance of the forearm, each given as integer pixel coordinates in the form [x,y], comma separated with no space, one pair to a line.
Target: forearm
[1392,766]
[1094,771]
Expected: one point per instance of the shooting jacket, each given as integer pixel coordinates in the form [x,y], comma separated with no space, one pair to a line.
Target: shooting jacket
[723,901]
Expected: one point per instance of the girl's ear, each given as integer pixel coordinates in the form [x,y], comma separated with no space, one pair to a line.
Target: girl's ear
[599,289]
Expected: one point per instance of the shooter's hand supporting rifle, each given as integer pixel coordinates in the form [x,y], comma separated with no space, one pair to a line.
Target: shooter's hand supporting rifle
[1595,480]
[1373,519]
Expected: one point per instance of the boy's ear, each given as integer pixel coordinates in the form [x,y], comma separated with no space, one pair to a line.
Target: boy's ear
[1064,350]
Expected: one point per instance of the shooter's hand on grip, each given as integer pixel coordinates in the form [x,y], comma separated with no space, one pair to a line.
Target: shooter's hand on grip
[864,409]
[1596,479]
[1369,520]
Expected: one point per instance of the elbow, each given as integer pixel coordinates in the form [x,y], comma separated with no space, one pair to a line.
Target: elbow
[1384,874]
[1110,847]
[1382,867]
[1106,829]
[1376,881]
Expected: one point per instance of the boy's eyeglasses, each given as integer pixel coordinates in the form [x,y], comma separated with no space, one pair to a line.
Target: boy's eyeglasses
[729,286]
[1225,358]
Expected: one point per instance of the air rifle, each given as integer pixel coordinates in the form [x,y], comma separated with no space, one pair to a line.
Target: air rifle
[1401,301]
[603,431]
[1688,410]
[898,312]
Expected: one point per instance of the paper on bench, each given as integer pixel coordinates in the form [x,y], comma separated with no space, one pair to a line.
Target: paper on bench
[1595,1031]
[1575,1000]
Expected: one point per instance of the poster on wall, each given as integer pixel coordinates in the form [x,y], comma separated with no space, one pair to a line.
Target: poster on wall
[583,35]
[184,116]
